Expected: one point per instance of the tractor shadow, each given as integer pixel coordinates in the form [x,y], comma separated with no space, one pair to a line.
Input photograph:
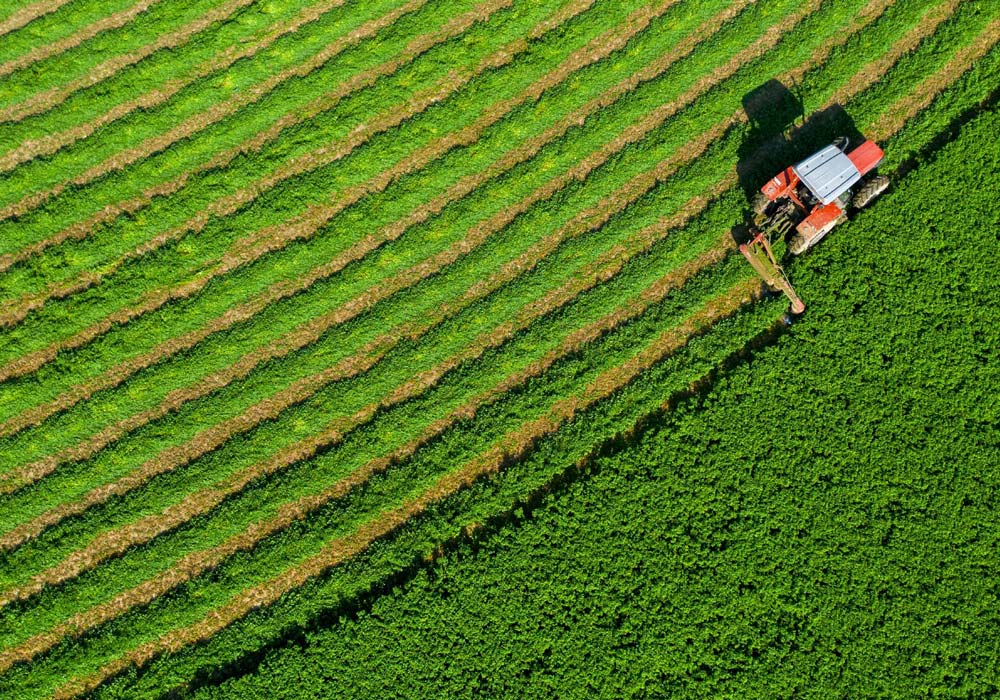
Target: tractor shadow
[781,135]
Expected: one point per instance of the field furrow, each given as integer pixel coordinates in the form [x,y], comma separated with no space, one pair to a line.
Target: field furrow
[28,14]
[311,331]
[595,51]
[52,142]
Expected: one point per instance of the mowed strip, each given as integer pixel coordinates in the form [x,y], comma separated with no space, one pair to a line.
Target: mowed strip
[309,332]
[117,541]
[299,164]
[50,143]
[29,14]
[47,99]
[43,51]
[594,51]
[341,549]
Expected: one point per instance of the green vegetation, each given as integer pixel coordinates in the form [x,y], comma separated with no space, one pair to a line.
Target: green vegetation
[356,380]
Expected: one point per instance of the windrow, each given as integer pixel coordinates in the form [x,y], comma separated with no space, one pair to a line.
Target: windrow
[593,52]
[47,99]
[629,193]
[29,14]
[52,142]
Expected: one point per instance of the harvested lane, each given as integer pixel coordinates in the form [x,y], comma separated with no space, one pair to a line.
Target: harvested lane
[310,331]
[29,14]
[52,142]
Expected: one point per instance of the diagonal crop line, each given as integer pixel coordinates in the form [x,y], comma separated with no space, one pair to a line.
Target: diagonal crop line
[592,52]
[117,541]
[48,50]
[515,444]
[341,549]
[198,562]
[50,143]
[310,331]
[238,101]
[320,104]
[48,99]
[299,164]
[296,339]
[27,15]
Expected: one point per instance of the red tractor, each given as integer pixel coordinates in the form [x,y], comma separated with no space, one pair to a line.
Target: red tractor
[810,197]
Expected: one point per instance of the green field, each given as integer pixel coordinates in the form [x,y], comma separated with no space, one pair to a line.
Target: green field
[403,350]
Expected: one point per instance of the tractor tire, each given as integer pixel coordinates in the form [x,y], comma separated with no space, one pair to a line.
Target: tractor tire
[797,244]
[760,202]
[867,193]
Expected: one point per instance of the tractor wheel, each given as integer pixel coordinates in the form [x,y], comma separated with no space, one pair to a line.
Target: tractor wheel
[760,202]
[797,244]
[870,190]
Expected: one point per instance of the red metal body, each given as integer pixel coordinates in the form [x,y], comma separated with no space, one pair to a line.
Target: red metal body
[781,184]
[822,219]
[866,157]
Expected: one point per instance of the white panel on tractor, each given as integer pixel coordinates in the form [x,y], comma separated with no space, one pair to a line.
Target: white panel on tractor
[827,173]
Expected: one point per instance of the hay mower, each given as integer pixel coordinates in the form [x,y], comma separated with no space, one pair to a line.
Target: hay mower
[805,201]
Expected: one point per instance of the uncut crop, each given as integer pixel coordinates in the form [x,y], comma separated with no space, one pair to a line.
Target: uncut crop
[288,288]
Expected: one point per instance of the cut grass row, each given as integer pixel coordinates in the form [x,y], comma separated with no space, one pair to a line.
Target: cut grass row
[631,191]
[866,75]
[57,75]
[716,252]
[45,137]
[29,13]
[298,165]
[588,54]
[204,653]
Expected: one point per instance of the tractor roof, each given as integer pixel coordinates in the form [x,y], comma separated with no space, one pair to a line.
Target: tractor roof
[828,173]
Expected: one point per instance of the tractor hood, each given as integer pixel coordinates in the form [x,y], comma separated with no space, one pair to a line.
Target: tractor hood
[827,173]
